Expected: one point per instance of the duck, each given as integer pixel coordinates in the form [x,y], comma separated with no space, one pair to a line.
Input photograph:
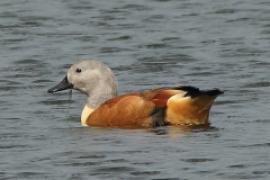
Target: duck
[163,106]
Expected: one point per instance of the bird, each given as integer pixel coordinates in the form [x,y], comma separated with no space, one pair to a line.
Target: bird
[185,106]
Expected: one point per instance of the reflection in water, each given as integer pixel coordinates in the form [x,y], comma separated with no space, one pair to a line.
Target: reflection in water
[171,131]
[180,131]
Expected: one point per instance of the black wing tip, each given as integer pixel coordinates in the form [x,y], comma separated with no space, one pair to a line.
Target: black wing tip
[191,90]
[194,91]
[214,92]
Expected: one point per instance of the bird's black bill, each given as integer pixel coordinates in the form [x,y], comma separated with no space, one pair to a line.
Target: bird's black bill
[63,85]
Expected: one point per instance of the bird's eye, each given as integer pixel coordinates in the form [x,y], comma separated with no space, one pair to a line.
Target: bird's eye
[78,70]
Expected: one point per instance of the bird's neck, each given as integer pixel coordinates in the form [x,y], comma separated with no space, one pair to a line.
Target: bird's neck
[100,94]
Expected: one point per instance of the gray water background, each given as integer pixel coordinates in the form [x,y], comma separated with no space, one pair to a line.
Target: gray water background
[148,43]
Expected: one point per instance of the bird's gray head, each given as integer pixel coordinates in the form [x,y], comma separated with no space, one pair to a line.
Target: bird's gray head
[92,78]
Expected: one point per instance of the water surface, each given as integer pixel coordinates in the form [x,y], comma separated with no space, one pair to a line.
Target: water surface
[208,44]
